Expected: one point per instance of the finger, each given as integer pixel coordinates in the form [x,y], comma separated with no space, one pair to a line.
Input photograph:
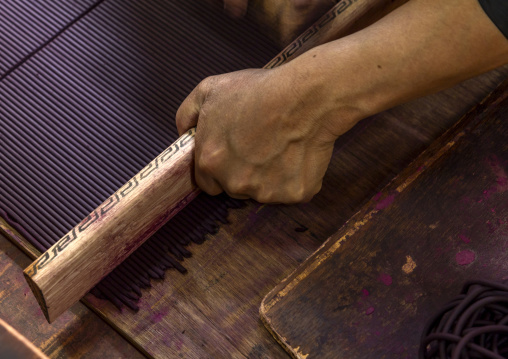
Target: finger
[236,8]
[204,168]
[237,196]
[188,112]
[207,183]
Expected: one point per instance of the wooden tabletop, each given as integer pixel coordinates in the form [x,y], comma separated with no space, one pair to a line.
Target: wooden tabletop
[78,333]
[212,311]
[369,291]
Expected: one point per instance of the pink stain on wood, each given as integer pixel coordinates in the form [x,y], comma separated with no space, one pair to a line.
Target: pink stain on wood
[385,202]
[159,316]
[464,238]
[465,257]
[409,298]
[365,293]
[369,311]
[386,279]
[497,167]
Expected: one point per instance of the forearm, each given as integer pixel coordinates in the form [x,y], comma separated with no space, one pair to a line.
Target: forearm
[420,48]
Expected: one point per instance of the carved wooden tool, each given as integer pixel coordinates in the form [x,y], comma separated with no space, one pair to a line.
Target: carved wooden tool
[92,249]
[78,261]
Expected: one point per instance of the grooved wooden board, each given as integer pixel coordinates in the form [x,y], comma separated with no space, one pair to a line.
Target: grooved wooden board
[368,291]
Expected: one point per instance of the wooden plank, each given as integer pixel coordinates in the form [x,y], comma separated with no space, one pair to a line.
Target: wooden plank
[368,291]
[77,262]
[79,332]
[15,346]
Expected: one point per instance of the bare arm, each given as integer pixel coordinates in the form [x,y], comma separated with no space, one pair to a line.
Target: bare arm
[268,134]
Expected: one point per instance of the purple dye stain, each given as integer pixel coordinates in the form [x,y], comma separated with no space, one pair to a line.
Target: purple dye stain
[497,168]
[365,293]
[158,317]
[171,342]
[369,311]
[386,279]
[385,202]
[465,257]
[464,238]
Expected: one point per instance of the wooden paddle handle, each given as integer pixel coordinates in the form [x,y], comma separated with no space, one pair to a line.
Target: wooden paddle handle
[101,241]
[78,261]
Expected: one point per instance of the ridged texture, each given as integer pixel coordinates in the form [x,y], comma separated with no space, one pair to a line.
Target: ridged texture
[89,110]
[26,26]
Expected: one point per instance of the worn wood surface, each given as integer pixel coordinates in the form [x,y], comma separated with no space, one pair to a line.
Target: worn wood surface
[213,310]
[15,346]
[79,333]
[368,292]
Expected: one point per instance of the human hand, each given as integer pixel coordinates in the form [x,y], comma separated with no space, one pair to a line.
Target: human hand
[259,135]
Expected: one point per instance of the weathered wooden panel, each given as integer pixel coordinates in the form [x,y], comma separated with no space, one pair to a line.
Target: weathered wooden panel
[368,292]
[15,346]
[78,333]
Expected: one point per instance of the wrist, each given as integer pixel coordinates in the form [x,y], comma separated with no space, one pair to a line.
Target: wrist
[329,79]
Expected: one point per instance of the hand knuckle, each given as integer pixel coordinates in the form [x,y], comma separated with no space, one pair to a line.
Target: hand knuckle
[296,193]
[238,187]
[264,197]
[208,162]
[205,84]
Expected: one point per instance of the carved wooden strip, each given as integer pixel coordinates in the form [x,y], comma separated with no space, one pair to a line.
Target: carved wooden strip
[91,250]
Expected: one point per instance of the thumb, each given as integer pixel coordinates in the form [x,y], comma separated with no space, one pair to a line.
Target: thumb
[188,112]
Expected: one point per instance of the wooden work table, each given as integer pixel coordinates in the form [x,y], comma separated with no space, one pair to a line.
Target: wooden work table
[370,289]
[78,333]
[212,311]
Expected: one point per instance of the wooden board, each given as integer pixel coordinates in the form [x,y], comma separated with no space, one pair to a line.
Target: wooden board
[369,290]
[79,333]
[15,346]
